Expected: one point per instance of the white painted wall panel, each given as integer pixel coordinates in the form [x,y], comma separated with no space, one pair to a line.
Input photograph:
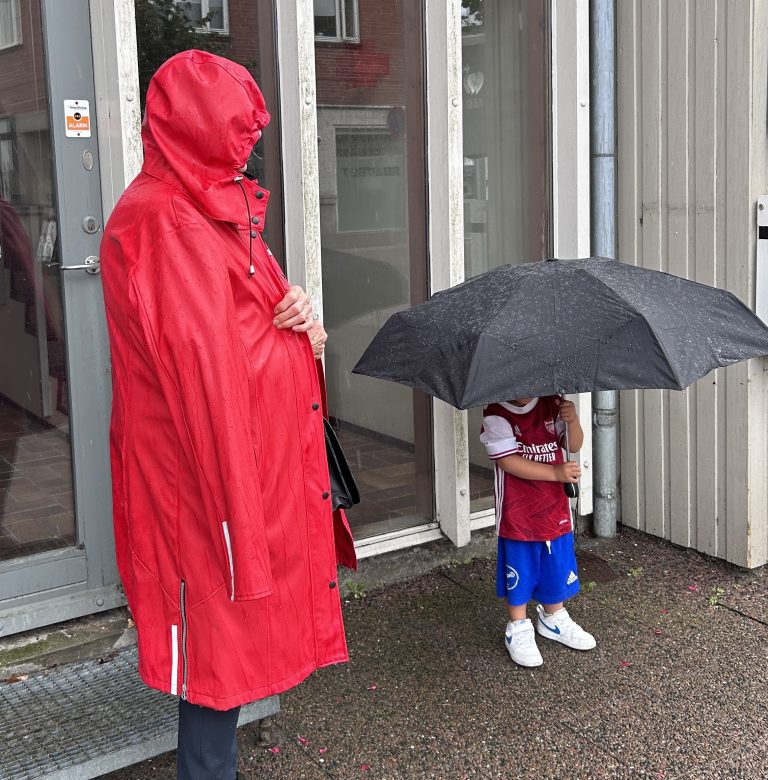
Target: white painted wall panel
[692,161]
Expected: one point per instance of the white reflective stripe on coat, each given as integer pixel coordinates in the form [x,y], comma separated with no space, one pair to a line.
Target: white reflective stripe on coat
[174,660]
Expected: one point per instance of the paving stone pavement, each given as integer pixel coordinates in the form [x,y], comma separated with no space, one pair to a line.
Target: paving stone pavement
[676,689]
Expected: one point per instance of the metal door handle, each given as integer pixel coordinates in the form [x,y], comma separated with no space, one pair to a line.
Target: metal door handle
[90,266]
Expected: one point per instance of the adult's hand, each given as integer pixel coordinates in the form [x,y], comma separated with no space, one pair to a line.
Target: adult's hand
[317,338]
[294,311]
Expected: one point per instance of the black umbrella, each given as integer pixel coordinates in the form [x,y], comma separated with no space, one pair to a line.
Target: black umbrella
[568,326]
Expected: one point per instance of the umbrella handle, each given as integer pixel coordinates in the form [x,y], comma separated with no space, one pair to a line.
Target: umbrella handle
[571,488]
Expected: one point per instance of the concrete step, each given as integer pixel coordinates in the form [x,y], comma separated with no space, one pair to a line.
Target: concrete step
[82,720]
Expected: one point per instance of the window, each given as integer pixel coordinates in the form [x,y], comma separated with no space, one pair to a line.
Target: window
[336,20]
[10,23]
[8,165]
[472,13]
[215,12]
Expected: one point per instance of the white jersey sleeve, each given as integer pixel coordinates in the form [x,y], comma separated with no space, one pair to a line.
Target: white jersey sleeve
[498,437]
[559,424]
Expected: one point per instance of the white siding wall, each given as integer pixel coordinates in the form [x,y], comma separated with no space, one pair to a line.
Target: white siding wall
[692,78]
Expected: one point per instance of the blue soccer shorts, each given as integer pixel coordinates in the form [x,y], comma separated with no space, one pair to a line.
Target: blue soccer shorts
[544,572]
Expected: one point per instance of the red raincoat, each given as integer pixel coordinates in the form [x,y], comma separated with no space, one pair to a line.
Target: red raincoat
[223,523]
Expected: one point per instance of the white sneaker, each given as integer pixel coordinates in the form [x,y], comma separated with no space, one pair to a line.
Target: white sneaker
[520,640]
[562,629]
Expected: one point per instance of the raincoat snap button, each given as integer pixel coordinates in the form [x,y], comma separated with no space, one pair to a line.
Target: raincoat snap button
[332,584]
[254,234]
[259,195]
[315,407]
[325,494]
[255,220]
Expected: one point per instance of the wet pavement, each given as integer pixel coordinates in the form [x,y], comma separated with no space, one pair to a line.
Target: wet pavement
[676,688]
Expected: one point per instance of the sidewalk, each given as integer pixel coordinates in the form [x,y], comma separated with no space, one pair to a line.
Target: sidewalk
[675,689]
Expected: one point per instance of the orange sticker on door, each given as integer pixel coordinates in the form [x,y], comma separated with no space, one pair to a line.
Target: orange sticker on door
[77,114]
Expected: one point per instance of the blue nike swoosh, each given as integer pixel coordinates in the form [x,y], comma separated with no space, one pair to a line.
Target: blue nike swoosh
[509,639]
[555,630]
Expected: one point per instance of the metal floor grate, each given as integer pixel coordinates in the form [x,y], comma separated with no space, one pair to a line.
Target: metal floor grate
[82,720]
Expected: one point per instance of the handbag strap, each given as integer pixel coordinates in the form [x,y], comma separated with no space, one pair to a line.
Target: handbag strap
[321,381]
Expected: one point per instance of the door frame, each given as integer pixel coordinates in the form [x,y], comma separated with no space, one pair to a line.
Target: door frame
[61,584]
[571,177]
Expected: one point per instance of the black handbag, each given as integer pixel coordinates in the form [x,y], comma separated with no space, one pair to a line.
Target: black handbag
[344,492]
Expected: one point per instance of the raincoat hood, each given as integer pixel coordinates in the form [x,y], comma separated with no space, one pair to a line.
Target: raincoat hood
[203,115]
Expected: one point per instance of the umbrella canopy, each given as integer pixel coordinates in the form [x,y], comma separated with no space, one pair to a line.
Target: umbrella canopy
[567,326]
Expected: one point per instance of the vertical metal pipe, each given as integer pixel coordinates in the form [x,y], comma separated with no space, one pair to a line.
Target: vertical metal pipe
[602,64]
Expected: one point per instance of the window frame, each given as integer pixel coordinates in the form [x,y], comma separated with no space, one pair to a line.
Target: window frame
[342,35]
[17,38]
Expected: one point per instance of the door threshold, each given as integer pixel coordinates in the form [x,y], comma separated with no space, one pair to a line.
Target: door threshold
[398,540]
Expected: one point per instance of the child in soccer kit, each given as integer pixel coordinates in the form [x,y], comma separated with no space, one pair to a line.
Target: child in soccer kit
[536,559]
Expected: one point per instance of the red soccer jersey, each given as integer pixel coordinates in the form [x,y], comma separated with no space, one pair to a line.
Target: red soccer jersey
[527,510]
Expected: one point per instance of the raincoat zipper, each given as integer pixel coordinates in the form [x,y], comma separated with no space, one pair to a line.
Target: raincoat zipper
[183,607]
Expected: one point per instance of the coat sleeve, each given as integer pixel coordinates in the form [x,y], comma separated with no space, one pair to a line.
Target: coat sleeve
[187,315]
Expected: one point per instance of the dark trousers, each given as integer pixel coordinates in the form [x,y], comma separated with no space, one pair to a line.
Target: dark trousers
[207,743]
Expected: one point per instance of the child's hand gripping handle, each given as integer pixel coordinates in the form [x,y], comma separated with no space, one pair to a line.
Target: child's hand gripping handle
[571,488]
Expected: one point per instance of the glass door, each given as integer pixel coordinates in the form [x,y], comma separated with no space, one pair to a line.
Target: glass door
[369,64]
[56,558]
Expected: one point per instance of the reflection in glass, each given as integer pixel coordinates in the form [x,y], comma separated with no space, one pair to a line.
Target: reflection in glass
[194,10]
[337,20]
[507,153]
[10,23]
[36,503]
[350,19]
[325,19]
[216,14]
[372,212]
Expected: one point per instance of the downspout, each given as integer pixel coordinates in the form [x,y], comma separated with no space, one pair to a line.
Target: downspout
[602,66]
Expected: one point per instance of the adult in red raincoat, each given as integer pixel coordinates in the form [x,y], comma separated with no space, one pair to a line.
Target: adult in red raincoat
[223,522]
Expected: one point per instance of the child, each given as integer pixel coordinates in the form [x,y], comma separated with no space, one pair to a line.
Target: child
[525,439]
